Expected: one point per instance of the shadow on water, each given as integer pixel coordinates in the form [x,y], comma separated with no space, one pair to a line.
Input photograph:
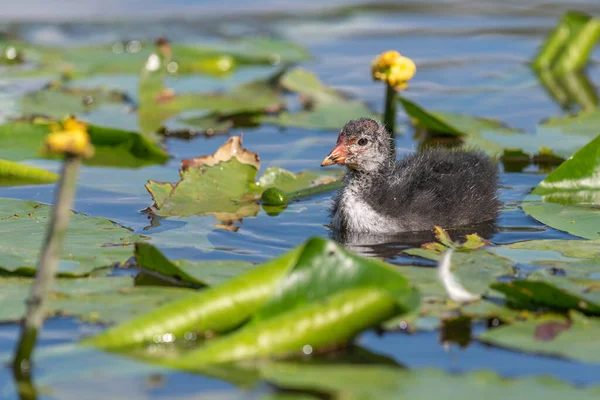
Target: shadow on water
[390,246]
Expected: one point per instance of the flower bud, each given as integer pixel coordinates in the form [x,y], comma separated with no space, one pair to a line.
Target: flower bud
[393,68]
[69,139]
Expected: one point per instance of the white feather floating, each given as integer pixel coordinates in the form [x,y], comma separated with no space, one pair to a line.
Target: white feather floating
[453,287]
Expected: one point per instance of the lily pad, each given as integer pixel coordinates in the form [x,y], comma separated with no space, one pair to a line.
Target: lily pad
[128,57]
[113,147]
[193,273]
[60,102]
[475,270]
[569,198]
[96,300]
[574,338]
[224,185]
[370,382]
[317,295]
[325,108]
[159,103]
[90,242]
[556,293]
[12,173]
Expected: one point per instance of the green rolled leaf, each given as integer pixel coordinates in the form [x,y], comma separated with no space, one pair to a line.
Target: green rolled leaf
[556,41]
[569,197]
[578,48]
[12,173]
[567,48]
[317,295]
[332,321]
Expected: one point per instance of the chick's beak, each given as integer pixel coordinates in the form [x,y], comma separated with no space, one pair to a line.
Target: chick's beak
[338,155]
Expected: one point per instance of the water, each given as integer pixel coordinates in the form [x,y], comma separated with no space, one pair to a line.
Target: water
[472,58]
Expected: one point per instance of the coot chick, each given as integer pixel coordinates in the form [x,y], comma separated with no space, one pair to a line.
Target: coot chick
[448,188]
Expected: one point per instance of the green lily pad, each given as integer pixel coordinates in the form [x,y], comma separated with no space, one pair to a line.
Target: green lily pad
[326,108]
[159,103]
[12,173]
[96,299]
[298,299]
[14,292]
[224,185]
[575,339]
[60,102]
[569,198]
[475,270]
[370,382]
[556,293]
[129,56]
[113,147]
[90,242]
[194,273]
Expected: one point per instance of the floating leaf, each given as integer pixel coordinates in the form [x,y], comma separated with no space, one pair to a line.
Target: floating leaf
[224,184]
[93,299]
[113,147]
[370,382]
[90,242]
[194,273]
[475,269]
[556,293]
[60,102]
[569,198]
[127,57]
[12,173]
[327,109]
[559,337]
[159,103]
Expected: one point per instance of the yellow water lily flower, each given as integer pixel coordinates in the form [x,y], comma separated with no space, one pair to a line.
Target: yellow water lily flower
[393,68]
[71,138]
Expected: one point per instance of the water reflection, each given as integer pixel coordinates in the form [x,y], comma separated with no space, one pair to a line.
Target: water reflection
[569,90]
[390,246]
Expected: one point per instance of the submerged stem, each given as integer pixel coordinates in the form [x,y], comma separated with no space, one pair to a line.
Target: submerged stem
[389,118]
[44,277]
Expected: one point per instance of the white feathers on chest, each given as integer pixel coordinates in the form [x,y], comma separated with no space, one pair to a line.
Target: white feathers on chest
[357,214]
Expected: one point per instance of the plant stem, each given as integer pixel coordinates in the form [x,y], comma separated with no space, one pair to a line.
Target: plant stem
[44,277]
[389,118]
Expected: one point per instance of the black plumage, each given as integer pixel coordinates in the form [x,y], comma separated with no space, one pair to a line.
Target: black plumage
[448,188]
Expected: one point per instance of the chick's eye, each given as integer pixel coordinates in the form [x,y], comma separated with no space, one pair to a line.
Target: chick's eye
[362,142]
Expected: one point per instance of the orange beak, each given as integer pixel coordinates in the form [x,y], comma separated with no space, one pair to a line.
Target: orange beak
[338,155]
